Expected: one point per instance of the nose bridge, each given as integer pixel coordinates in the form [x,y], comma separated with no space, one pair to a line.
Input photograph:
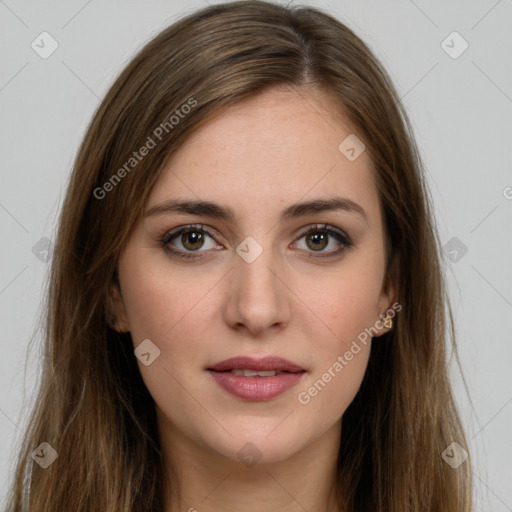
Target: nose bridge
[258,297]
[255,266]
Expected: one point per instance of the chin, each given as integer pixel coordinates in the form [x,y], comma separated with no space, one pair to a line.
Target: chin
[258,447]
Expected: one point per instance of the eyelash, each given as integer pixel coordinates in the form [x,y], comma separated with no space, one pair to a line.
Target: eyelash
[317,228]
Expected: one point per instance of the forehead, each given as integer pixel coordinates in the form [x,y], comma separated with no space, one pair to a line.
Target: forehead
[276,148]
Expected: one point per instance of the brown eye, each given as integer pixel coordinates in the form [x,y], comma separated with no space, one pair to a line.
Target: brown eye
[319,237]
[317,241]
[188,242]
[192,240]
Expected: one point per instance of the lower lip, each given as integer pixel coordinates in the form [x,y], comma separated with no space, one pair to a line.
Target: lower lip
[256,388]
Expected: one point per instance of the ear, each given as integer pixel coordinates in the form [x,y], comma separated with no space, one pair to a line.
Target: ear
[116,309]
[388,300]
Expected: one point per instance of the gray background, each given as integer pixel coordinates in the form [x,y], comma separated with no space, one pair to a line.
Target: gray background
[461,110]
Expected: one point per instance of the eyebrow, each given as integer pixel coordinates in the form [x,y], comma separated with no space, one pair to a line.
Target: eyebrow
[213,210]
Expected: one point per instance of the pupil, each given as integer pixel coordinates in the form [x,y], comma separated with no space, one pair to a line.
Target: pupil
[318,238]
[192,238]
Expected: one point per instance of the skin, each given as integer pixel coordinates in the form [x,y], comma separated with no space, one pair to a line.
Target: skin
[259,157]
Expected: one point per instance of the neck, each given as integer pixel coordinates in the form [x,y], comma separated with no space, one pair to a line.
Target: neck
[210,482]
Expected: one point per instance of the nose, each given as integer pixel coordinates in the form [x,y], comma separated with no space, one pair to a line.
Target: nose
[258,296]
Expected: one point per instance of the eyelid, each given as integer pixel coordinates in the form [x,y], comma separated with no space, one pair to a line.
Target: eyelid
[333,231]
[324,227]
[342,238]
[169,235]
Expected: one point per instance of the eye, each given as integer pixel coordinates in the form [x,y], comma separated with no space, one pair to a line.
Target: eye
[317,239]
[191,238]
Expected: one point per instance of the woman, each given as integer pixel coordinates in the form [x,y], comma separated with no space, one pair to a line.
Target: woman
[247,307]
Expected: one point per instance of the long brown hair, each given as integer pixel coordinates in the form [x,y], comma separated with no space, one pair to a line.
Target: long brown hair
[92,405]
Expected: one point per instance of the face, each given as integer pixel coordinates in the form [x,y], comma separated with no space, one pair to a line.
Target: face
[205,288]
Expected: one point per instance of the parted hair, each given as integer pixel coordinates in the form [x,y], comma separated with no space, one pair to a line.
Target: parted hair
[92,405]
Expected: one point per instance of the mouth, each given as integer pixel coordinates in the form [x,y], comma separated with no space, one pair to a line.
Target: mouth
[260,366]
[255,373]
[256,379]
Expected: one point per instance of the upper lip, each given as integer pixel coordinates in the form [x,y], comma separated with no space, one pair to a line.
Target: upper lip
[251,363]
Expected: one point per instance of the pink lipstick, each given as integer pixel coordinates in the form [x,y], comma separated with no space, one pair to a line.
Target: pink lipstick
[256,379]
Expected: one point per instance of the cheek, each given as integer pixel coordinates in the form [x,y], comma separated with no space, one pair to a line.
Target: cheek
[331,391]
[341,305]
[168,310]
[342,351]
[172,309]
[154,296]
[152,307]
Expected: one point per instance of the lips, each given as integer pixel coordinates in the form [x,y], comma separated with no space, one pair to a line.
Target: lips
[264,364]
[253,379]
